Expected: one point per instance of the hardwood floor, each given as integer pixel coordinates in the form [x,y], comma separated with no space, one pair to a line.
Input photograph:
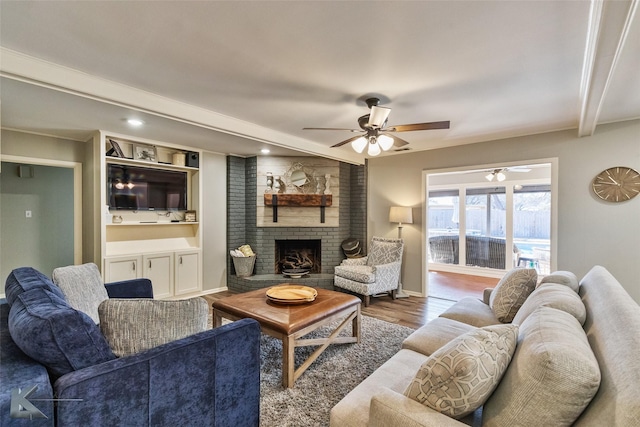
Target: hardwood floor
[416,311]
[454,286]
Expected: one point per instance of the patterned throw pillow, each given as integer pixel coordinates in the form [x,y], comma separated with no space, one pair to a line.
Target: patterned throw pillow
[460,376]
[511,292]
[134,325]
[384,251]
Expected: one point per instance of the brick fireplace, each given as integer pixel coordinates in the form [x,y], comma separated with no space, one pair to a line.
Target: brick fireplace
[242,194]
[298,254]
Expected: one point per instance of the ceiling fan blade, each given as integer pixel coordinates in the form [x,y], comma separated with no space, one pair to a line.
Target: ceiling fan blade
[350,130]
[378,116]
[418,126]
[346,141]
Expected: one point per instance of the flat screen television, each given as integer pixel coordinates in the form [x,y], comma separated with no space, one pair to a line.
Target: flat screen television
[139,188]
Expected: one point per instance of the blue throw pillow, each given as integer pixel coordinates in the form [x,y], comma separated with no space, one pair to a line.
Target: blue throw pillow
[49,331]
[24,279]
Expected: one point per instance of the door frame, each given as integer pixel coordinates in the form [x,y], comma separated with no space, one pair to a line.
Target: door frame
[552,161]
[77,193]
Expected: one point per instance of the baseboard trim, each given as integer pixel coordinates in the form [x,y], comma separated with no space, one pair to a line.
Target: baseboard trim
[200,294]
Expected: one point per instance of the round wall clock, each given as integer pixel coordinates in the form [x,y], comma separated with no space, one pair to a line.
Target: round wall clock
[617,184]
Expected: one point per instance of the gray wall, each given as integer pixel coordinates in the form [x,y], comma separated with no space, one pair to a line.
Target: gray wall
[590,231]
[44,241]
[358,203]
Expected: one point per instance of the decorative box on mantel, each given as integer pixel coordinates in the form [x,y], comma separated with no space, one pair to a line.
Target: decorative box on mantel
[320,201]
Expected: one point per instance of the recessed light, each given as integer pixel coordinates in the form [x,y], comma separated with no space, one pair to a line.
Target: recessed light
[265,151]
[135,122]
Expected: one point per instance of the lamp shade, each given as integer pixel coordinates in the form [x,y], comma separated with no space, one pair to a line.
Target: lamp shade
[401,214]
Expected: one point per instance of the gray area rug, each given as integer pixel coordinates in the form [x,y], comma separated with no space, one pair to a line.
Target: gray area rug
[334,374]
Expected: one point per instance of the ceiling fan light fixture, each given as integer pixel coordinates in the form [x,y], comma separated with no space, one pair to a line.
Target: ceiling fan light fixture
[374,125]
[378,116]
[498,174]
[359,144]
[374,148]
[385,142]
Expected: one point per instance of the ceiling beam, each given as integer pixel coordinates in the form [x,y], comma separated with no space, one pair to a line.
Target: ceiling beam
[21,67]
[609,26]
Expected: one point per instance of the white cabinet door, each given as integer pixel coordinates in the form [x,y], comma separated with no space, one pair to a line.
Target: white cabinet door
[122,268]
[159,269]
[187,272]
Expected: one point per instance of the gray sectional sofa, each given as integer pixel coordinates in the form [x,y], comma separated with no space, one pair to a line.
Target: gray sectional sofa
[576,362]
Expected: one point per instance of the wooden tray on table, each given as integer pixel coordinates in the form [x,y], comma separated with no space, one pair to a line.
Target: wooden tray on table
[291,294]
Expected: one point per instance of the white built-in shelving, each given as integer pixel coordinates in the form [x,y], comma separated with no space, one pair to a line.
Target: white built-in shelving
[159,245]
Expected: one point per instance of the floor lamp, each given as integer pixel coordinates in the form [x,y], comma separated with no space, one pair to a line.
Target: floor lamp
[400,215]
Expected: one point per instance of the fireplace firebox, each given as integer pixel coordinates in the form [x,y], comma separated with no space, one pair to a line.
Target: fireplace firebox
[298,254]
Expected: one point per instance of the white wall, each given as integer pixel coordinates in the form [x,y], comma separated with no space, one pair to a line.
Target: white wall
[214,221]
[590,231]
[42,147]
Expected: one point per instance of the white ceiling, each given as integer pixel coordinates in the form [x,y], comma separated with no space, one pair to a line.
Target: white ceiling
[236,76]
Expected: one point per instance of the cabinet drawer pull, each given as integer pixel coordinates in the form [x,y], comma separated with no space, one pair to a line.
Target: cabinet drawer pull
[149,263]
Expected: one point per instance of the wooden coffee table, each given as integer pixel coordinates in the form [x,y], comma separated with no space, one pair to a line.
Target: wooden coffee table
[289,323]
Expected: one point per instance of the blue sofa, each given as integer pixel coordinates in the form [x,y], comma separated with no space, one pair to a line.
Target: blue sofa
[211,378]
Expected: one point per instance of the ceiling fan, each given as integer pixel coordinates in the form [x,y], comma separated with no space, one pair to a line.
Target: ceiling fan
[499,175]
[376,133]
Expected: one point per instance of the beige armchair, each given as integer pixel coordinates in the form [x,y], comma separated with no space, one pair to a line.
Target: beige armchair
[376,273]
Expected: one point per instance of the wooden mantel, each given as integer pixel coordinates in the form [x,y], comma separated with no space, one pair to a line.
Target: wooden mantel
[297,200]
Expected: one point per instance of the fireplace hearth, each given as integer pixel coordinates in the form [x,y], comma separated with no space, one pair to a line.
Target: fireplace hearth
[298,254]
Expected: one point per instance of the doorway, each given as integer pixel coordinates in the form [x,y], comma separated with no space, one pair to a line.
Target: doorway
[40,212]
[485,220]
